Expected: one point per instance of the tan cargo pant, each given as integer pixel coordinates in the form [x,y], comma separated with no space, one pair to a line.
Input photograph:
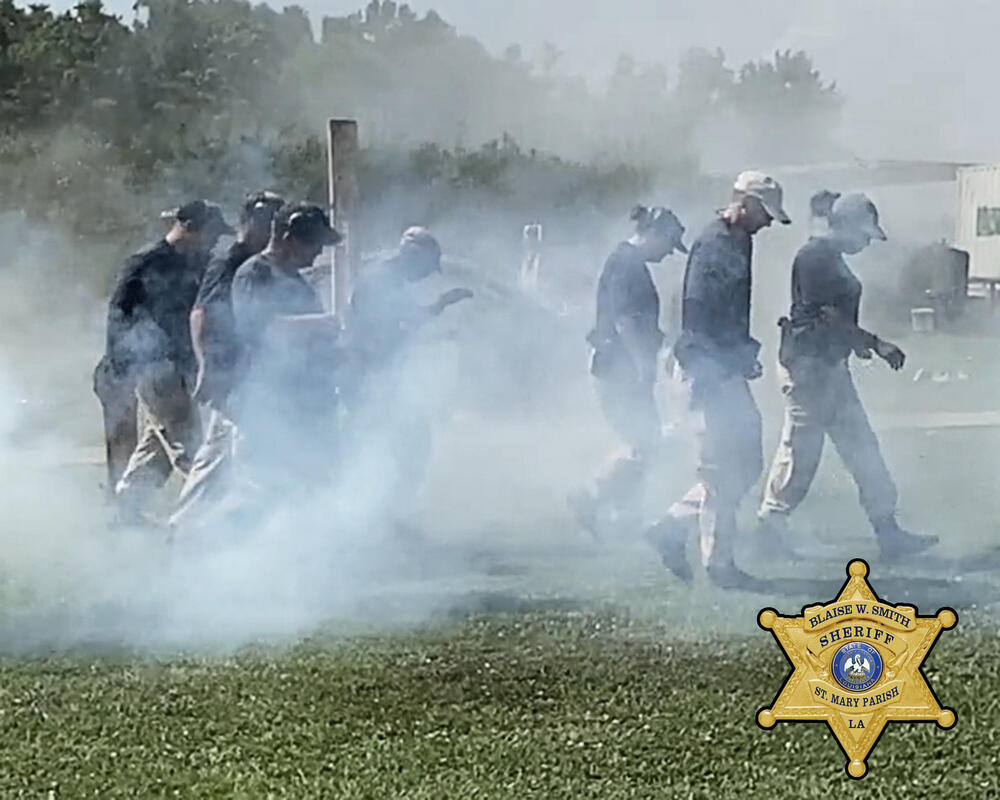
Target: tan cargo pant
[120,412]
[211,464]
[730,460]
[821,401]
[169,432]
[629,406]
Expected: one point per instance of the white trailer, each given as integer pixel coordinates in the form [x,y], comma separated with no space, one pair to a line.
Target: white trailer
[977,226]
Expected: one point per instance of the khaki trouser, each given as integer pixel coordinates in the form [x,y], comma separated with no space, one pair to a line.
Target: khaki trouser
[821,401]
[170,430]
[209,468]
[629,406]
[730,461]
[119,406]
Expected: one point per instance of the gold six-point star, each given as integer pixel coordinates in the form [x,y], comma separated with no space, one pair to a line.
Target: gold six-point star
[856,666]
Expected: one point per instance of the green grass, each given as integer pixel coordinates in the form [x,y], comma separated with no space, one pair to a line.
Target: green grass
[533,705]
[551,667]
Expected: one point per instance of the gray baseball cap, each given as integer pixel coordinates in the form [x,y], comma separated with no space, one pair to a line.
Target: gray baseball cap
[766,189]
[419,241]
[856,211]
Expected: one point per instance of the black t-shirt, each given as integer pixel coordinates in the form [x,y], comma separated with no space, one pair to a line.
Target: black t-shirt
[215,299]
[148,315]
[715,311]
[625,289]
[285,377]
[821,277]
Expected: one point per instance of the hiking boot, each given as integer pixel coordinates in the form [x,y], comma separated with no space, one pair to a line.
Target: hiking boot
[771,540]
[895,544]
[726,575]
[668,537]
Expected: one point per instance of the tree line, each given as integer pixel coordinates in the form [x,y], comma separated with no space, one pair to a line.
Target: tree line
[103,119]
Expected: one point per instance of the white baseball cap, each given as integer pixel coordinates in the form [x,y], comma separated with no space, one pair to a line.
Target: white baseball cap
[766,189]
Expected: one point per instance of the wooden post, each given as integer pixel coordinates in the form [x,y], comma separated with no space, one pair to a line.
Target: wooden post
[342,158]
[531,264]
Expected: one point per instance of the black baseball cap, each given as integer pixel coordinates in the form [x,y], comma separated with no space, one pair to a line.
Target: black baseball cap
[663,222]
[306,222]
[260,206]
[200,215]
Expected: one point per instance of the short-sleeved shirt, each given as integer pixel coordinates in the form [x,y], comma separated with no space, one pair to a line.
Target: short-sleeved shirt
[215,300]
[384,314]
[286,379]
[715,310]
[625,289]
[150,307]
[821,277]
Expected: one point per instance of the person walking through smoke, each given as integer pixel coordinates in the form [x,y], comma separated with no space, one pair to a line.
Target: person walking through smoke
[149,338]
[217,352]
[284,406]
[718,357]
[627,339]
[818,338]
[387,403]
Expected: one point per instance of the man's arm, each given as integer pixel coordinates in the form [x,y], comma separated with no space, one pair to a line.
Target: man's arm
[818,287]
[863,342]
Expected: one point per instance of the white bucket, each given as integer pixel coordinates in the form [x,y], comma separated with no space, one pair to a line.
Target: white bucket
[922,319]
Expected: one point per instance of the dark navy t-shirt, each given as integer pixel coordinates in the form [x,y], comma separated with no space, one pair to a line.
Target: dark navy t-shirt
[715,311]
[148,315]
[286,378]
[821,277]
[625,289]
[215,300]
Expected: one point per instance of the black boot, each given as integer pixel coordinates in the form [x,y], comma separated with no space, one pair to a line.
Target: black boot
[895,544]
[771,540]
[726,575]
[668,537]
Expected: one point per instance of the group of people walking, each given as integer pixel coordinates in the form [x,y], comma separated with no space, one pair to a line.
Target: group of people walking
[717,359]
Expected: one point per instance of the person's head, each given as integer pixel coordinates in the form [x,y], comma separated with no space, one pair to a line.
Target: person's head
[854,223]
[419,253]
[757,202]
[197,226]
[299,233]
[821,203]
[658,232]
[256,216]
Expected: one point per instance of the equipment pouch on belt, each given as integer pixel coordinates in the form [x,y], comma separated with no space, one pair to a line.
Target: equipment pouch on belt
[798,338]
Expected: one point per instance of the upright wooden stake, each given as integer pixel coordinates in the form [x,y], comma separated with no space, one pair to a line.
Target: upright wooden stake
[342,158]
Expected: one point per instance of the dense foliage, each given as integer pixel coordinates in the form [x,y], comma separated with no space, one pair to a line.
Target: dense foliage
[104,120]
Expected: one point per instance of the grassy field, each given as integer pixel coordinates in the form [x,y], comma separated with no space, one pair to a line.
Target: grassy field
[516,658]
[531,705]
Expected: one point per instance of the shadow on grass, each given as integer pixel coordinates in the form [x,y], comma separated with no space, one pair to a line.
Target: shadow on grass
[927,594]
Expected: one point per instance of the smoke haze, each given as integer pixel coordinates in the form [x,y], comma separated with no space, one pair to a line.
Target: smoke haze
[504,378]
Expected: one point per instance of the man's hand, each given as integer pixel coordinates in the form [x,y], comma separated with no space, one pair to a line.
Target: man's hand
[891,354]
[451,297]
[755,371]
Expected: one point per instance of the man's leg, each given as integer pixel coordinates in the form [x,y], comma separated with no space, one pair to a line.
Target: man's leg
[170,433]
[147,470]
[810,401]
[730,462]
[119,407]
[630,409]
[209,468]
[859,449]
